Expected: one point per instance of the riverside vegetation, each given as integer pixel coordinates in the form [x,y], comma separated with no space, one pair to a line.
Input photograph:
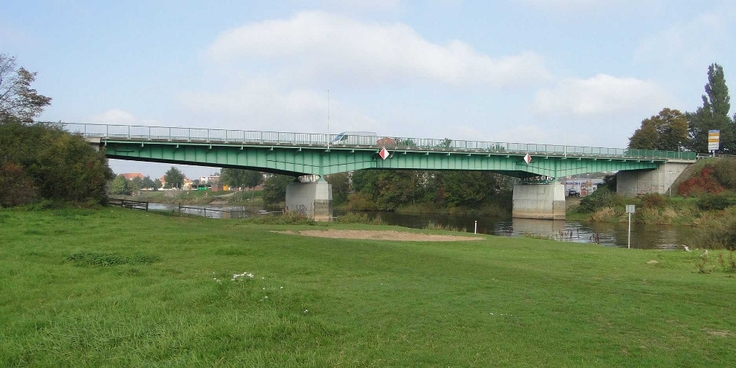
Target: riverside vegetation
[114,287]
[704,198]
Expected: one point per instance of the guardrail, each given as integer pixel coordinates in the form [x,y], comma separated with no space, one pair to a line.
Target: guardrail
[179,134]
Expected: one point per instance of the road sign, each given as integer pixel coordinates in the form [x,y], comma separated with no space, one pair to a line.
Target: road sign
[630,208]
[714,138]
[527,159]
[383,153]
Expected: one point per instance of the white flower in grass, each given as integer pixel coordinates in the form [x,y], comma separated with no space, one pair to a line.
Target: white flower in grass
[306,311]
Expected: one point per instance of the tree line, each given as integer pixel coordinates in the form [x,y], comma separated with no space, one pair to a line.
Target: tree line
[41,161]
[672,130]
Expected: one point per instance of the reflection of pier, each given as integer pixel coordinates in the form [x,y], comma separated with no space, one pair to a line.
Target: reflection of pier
[546,228]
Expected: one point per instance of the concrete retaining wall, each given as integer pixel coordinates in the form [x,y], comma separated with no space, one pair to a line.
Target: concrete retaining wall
[540,201]
[632,183]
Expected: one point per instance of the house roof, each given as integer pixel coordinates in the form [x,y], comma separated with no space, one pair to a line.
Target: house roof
[131,176]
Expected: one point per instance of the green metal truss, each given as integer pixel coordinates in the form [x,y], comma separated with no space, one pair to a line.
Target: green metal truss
[318,160]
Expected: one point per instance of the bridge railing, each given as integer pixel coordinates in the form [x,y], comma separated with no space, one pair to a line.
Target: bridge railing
[159,133]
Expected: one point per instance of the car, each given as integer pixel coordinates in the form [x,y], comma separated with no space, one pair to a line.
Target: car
[572,192]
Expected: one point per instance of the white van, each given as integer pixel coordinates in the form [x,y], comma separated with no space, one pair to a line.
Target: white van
[355,139]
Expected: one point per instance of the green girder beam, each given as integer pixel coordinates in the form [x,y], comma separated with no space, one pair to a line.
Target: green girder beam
[312,160]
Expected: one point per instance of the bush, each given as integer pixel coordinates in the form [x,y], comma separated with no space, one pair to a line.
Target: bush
[721,201]
[653,200]
[601,198]
[42,161]
[716,233]
[359,218]
[724,170]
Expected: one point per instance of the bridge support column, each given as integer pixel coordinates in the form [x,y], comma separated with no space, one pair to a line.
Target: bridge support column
[310,199]
[661,180]
[539,201]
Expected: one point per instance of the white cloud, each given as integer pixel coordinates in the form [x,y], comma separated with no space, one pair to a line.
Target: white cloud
[354,5]
[260,105]
[600,96]
[314,46]
[706,36]
[567,5]
[117,116]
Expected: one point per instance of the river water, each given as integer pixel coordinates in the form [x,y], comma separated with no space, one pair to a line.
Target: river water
[605,234]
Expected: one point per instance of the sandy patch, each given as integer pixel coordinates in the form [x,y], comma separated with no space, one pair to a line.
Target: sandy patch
[380,235]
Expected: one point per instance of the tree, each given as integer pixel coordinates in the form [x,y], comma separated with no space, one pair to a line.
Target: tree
[252,179]
[340,183]
[156,184]
[274,188]
[119,186]
[713,115]
[666,131]
[238,178]
[50,163]
[147,183]
[174,178]
[17,98]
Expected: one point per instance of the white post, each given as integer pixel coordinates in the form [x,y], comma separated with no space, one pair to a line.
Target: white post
[630,208]
[476,227]
[628,243]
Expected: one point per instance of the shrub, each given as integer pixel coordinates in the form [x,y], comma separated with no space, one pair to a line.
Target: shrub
[599,199]
[653,200]
[702,182]
[359,218]
[721,201]
[724,171]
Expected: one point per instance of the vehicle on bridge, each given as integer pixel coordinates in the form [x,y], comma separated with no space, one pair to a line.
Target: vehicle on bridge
[356,138]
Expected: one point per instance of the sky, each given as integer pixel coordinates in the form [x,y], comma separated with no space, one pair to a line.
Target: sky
[576,72]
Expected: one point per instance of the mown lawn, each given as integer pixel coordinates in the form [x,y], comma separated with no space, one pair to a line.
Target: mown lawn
[115,287]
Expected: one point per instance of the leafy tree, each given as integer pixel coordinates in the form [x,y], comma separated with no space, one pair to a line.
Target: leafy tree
[713,115]
[156,184]
[119,186]
[147,183]
[174,178]
[17,98]
[58,165]
[467,188]
[274,188]
[666,131]
[238,178]
[252,179]
[389,188]
[340,186]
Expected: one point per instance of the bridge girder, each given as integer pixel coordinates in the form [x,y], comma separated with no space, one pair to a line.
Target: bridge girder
[315,160]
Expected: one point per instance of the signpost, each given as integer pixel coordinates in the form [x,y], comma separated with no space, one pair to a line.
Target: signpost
[714,139]
[630,209]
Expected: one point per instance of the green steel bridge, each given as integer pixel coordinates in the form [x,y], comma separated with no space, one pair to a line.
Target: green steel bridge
[323,154]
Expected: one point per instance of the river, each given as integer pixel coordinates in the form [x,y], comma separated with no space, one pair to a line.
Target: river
[605,234]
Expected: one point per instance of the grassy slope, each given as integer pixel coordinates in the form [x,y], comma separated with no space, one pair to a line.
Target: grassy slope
[499,302]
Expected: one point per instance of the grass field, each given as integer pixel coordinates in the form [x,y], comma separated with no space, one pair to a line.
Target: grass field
[115,287]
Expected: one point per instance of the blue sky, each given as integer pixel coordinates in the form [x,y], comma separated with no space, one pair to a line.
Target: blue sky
[578,72]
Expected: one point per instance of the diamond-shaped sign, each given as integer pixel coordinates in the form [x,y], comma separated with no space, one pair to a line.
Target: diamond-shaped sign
[383,153]
[527,159]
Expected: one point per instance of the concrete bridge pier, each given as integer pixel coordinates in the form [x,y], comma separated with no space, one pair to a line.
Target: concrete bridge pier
[660,180]
[539,201]
[312,199]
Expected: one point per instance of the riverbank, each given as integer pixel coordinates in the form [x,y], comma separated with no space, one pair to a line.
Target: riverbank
[91,287]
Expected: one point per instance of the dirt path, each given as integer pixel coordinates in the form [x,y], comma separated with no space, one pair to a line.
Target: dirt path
[380,235]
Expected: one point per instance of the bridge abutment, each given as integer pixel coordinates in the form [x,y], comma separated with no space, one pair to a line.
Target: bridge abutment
[660,180]
[313,199]
[539,201]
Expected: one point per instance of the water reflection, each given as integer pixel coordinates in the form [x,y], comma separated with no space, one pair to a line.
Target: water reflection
[606,234]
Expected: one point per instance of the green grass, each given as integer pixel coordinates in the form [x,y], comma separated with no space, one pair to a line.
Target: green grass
[115,287]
